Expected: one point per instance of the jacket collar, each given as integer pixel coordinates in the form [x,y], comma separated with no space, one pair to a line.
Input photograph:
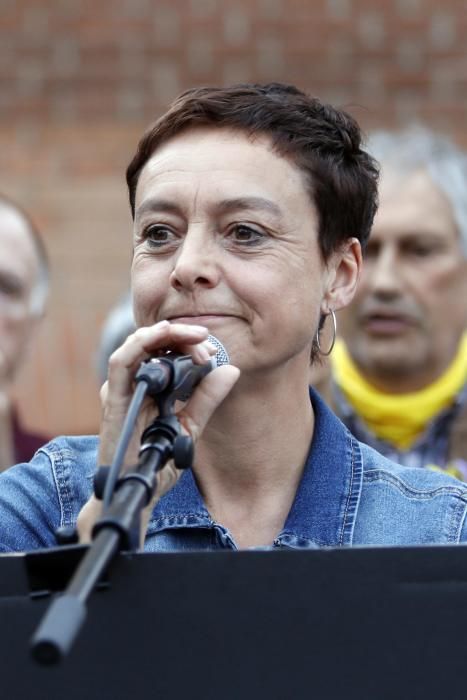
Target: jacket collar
[325,506]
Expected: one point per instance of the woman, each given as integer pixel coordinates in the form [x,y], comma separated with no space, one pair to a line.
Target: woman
[250,205]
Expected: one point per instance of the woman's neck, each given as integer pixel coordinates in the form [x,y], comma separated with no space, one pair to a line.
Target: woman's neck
[251,457]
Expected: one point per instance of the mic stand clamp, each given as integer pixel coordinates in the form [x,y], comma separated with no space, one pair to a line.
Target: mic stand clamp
[160,442]
[119,529]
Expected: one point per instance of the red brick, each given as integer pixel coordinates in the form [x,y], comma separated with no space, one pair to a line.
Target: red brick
[80,80]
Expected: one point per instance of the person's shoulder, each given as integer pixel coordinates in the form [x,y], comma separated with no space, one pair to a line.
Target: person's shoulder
[408,505]
[377,467]
[71,444]
[70,449]
[38,496]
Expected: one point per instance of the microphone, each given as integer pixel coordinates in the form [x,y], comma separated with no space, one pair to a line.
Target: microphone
[176,375]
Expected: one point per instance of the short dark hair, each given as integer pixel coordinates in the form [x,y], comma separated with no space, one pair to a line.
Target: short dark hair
[324,142]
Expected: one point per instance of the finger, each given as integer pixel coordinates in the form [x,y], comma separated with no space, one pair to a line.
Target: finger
[117,392]
[103,392]
[125,361]
[208,396]
[166,480]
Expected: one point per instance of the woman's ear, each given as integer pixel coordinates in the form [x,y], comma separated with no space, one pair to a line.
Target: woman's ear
[344,266]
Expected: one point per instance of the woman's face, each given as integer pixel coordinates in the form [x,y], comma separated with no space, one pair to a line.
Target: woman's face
[226,236]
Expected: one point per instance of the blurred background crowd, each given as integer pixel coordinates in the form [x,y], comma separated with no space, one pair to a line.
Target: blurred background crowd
[80,81]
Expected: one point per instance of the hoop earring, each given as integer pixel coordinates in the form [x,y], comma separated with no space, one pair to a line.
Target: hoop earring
[334,333]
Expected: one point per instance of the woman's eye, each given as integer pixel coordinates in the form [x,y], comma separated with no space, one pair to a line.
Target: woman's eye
[246,234]
[158,236]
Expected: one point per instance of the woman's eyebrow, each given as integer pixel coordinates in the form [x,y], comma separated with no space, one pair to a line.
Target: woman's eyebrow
[156,204]
[251,203]
[225,206]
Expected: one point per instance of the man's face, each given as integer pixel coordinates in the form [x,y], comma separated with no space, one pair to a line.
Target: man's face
[410,309]
[18,274]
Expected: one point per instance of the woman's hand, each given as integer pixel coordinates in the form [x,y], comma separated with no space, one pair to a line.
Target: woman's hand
[117,393]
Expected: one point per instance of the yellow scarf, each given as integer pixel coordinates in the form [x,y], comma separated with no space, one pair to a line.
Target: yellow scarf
[398,418]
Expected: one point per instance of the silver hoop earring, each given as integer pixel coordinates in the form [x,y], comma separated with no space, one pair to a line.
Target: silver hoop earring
[334,333]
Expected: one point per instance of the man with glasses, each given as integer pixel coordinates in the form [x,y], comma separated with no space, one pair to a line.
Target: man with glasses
[24,282]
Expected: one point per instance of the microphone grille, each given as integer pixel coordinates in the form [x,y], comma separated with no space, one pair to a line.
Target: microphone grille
[222,356]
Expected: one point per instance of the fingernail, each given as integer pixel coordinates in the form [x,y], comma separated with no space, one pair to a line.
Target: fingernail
[205,355]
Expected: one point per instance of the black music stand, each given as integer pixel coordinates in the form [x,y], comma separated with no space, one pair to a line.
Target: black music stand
[372,624]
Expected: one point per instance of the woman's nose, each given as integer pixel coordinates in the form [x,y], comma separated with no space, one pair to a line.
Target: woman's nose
[196,263]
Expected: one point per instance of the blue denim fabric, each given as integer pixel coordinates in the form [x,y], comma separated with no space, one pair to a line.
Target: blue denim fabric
[349,495]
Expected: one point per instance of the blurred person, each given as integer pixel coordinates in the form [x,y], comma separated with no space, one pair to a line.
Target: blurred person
[250,205]
[401,369]
[24,282]
[117,326]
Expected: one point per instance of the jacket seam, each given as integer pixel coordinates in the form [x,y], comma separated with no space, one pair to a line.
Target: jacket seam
[349,496]
[176,519]
[61,486]
[461,526]
[381,475]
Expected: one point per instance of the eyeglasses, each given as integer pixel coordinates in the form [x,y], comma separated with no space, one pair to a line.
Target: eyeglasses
[14,296]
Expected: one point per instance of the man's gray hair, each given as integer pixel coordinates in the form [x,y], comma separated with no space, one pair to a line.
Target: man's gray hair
[419,147]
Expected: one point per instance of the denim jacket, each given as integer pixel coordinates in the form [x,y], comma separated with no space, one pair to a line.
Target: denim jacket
[348,495]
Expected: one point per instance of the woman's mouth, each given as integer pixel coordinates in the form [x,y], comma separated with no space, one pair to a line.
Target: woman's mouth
[199,319]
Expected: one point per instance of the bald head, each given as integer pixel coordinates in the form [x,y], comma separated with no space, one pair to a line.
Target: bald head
[23,285]
[17,228]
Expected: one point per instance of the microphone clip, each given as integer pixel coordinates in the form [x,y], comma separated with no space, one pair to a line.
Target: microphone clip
[169,379]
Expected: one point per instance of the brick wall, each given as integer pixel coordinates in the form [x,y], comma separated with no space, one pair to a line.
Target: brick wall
[79,80]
